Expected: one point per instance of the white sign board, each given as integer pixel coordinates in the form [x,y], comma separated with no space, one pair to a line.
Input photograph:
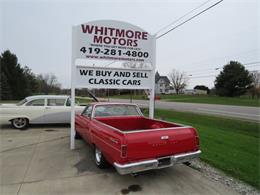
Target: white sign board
[116,78]
[112,40]
[117,41]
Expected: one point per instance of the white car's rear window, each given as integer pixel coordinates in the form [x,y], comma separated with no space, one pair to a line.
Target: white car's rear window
[56,102]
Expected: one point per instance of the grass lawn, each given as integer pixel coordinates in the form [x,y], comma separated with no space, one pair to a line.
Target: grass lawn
[204,99]
[227,144]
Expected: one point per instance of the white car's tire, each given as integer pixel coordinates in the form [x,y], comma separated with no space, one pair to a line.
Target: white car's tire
[20,123]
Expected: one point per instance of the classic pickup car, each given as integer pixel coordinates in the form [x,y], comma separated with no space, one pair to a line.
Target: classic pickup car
[123,137]
[39,109]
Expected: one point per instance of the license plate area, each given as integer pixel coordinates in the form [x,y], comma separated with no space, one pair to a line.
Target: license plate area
[164,162]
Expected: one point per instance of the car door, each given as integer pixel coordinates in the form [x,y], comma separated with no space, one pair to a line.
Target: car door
[56,111]
[86,116]
[35,110]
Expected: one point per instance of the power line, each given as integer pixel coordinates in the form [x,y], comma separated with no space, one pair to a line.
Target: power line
[252,63]
[222,57]
[189,19]
[257,63]
[182,17]
[201,76]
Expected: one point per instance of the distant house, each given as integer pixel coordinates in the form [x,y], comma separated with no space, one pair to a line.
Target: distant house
[194,92]
[162,84]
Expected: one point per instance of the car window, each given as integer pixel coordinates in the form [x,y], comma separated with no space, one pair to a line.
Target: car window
[87,111]
[68,102]
[56,102]
[116,110]
[38,102]
[21,102]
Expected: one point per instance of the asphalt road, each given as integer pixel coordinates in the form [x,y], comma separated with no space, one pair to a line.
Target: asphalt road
[241,112]
[39,161]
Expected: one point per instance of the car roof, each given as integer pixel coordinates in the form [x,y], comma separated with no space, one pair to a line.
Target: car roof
[46,96]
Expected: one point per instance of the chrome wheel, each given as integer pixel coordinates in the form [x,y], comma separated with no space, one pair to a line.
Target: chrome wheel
[100,159]
[98,155]
[19,123]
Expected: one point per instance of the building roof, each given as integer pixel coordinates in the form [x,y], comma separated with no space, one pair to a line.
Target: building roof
[165,78]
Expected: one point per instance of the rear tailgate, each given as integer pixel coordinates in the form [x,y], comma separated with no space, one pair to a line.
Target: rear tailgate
[150,144]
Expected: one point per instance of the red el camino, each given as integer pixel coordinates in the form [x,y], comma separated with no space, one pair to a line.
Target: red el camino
[123,137]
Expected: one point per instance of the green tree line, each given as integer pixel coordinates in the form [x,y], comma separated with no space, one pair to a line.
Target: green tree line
[18,82]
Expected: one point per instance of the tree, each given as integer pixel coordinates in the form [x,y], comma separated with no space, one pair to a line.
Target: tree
[255,90]
[234,80]
[18,82]
[12,73]
[179,80]
[202,87]
[5,90]
[48,83]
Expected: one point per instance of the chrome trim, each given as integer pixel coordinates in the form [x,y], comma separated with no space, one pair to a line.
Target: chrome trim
[159,129]
[154,163]
[164,137]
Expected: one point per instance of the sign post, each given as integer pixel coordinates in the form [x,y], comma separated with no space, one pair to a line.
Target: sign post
[117,41]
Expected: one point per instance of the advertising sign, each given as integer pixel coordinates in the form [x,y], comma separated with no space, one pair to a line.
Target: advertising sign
[112,40]
[116,78]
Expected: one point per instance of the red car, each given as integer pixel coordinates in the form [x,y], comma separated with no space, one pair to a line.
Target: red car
[124,138]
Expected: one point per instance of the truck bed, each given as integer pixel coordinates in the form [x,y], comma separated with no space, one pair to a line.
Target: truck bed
[149,138]
[134,123]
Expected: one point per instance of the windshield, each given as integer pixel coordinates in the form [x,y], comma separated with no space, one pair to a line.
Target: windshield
[21,102]
[116,110]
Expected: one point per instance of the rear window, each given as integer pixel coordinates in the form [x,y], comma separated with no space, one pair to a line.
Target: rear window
[56,102]
[116,110]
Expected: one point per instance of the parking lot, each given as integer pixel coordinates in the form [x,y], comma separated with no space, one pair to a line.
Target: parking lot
[39,161]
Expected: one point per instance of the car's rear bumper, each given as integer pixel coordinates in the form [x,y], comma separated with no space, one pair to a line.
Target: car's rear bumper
[155,163]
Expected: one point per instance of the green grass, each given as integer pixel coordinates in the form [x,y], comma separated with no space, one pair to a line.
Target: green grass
[204,99]
[82,100]
[227,144]
[207,99]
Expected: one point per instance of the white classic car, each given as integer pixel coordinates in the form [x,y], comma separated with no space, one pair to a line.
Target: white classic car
[40,109]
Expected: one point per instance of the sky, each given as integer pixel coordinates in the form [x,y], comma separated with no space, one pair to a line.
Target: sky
[39,33]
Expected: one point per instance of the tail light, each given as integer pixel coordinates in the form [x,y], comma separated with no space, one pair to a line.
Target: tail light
[197,139]
[123,151]
[198,142]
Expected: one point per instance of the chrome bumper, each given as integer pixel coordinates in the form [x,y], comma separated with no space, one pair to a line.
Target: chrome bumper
[155,163]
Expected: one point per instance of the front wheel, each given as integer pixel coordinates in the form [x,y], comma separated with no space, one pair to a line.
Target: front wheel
[20,123]
[77,135]
[100,159]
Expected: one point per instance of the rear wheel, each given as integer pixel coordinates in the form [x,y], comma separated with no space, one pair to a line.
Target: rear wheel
[20,123]
[100,159]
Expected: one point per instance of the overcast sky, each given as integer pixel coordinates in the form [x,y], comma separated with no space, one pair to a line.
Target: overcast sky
[39,33]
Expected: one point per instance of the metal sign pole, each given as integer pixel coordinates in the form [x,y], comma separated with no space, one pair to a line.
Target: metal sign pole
[72,116]
[152,90]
